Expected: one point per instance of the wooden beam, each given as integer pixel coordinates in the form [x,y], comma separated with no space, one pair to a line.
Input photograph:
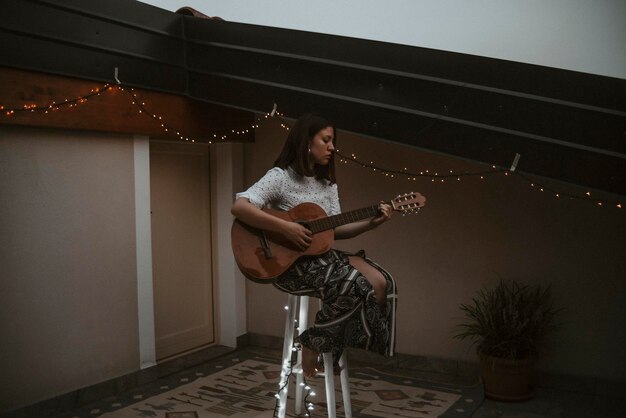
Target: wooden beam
[113,110]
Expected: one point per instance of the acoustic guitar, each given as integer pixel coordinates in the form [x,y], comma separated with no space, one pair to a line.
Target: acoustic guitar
[262,256]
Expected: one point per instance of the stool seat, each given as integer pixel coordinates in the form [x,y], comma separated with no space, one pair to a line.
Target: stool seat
[286,365]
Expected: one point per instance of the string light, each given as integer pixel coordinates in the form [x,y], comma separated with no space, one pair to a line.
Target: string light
[53,106]
[391,173]
[412,176]
[135,100]
[285,374]
[586,197]
[388,173]
[211,138]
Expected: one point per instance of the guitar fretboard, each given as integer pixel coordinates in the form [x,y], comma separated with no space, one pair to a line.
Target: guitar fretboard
[334,221]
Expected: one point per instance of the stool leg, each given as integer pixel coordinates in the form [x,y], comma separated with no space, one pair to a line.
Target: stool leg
[345,385]
[286,361]
[302,326]
[330,384]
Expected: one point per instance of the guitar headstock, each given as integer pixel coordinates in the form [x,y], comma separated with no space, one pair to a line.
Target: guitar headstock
[408,203]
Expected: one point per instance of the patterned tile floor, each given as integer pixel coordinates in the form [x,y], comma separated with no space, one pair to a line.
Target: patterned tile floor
[553,403]
[548,402]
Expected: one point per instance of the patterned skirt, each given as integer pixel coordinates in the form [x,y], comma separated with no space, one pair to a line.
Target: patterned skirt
[350,315]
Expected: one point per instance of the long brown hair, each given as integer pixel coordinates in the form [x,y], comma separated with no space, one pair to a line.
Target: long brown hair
[295,152]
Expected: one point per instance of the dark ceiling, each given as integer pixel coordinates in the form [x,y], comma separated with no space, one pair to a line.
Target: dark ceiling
[566,125]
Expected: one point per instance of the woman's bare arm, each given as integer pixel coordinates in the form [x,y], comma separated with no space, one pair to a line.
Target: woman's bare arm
[249,214]
[353,229]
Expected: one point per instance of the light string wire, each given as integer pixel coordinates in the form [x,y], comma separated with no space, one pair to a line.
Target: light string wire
[295,348]
[284,383]
[436,176]
[137,101]
[425,174]
[167,128]
[52,106]
[308,406]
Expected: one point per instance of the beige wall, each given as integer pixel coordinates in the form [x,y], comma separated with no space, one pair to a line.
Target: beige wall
[470,234]
[68,278]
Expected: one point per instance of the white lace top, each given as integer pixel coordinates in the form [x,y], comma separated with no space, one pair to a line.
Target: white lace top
[284,189]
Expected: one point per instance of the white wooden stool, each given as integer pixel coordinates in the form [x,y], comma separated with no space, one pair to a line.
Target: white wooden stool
[297,370]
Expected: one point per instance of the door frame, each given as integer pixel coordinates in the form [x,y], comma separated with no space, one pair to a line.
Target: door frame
[229,287]
[143,233]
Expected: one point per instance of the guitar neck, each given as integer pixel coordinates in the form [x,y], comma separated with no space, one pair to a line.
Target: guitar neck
[334,221]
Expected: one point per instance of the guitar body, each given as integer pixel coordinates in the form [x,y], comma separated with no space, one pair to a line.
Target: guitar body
[262,256]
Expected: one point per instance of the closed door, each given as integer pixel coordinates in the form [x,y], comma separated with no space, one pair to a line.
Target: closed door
[181,247]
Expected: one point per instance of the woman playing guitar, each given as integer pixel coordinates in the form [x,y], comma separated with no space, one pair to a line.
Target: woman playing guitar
[358,295]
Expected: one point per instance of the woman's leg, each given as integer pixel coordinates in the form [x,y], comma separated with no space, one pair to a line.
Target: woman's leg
[380,314]
[309,362]
[373,276]
[354,311]
[307,279]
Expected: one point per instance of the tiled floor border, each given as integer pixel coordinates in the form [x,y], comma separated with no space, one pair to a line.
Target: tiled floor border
[113,387]
[464,371]
[428,367]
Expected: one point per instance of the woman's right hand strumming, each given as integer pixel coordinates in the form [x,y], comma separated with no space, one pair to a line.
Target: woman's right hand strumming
[297,235]
[293,232]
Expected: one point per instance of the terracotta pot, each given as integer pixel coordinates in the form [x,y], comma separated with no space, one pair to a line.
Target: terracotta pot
[506,379]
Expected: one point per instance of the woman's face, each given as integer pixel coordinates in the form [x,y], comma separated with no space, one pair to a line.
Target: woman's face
[322,146]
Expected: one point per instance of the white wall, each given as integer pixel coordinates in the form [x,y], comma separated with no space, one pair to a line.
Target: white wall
[75,259]
[579,35]
[470,233]
[68,262]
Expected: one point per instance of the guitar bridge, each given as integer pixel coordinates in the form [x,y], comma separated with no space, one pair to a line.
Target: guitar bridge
[265,245]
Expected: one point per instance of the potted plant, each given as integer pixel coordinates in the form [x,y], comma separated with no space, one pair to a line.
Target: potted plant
[508,322]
